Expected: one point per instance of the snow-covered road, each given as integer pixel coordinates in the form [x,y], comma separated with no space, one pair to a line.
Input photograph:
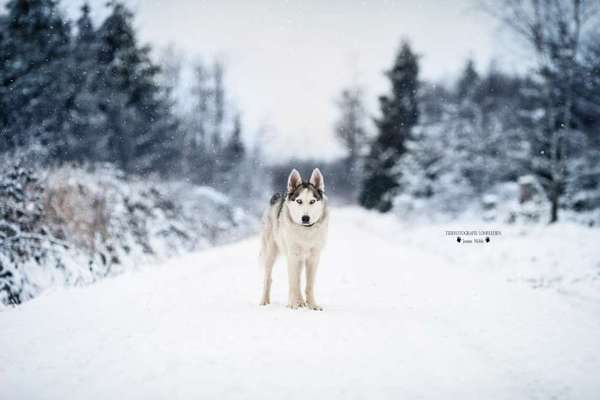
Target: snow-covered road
[409,313]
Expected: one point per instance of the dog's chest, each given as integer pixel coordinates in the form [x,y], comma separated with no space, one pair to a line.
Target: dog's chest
[305,241]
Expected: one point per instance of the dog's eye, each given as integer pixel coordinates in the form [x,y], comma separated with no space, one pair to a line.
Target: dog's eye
[312,201]
[299,201]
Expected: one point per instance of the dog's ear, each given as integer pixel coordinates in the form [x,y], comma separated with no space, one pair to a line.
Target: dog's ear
[316,179]
[294,180]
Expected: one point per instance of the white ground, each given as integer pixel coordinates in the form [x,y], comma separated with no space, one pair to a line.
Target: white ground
[409,313]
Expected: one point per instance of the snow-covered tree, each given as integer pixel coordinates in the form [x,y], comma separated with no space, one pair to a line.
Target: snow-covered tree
[486,130]
[470,139]
[34,47]
[86,133]
[468,80]
[142,128]
[554,31]
[399,114]
[23,238]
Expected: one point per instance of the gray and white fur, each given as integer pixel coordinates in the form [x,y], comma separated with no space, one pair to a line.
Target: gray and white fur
[296,225]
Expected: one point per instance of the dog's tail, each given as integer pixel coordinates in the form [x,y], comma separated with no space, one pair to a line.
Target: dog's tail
[278,198]
[275,198]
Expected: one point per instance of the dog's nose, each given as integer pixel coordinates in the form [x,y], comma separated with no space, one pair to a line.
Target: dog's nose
[305,219]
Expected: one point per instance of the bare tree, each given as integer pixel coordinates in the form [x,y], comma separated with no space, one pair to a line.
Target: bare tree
[350,128]
[170,62]
[218,73]
[554,30]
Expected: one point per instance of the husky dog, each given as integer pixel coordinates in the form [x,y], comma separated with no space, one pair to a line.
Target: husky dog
[295,225]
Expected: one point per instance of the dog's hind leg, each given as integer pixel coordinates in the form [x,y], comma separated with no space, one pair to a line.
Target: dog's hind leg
[268,255]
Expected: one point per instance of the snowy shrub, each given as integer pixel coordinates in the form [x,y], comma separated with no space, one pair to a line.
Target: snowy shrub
[74,226]
[489,204]
[25,245]
[582,192]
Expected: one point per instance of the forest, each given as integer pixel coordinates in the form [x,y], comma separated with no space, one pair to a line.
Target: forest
[157,240]
[100,161]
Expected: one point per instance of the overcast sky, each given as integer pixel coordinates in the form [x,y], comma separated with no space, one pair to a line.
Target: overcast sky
[287,60]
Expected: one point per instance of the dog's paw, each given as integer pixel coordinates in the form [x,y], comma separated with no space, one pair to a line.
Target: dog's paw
[296,304]
[312,306]
[264,302]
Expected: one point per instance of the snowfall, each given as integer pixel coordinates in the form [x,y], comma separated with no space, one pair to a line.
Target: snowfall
[409,313]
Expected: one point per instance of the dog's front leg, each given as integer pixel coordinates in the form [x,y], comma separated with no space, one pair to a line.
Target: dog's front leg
[311,271]
[295,299]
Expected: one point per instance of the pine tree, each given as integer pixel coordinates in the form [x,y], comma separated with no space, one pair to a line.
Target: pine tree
[468,81]
[142,128]
[34,46]
[87,123]
[399,114]
[6,142]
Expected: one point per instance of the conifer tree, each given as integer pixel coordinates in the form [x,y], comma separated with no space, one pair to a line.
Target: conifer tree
[87,124]
[34,46]
[467,83]
[399,114]
[141,124]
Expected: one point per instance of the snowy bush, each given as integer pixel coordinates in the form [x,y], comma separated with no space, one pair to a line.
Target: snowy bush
[26,247]
[71,226]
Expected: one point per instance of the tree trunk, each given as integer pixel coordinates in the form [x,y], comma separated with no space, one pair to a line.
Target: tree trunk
[554,204]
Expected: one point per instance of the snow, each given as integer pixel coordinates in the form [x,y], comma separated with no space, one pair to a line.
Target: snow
[409,313]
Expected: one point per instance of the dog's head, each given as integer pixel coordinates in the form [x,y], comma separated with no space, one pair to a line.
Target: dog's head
[305,199]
